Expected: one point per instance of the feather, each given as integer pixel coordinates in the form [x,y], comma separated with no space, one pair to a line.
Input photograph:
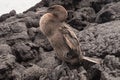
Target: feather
[69,36]
[73,43]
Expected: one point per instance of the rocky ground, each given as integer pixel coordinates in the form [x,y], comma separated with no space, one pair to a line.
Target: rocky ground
[25,53]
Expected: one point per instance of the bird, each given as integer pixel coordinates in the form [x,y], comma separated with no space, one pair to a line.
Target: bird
[61,36]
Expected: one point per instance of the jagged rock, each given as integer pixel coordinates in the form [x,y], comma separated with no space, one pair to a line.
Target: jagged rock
[98,4]
[41,40]
[34,72]
[18,71]
[26,54]
[13,30]
[109,69]
[24,51]
[101,40]
[20,15]
[86,14]
[32,33]
[82,17]
[7,62]
[31,22]
[48,60]
[7,15]
[63,72]
[108,13]
[5,49]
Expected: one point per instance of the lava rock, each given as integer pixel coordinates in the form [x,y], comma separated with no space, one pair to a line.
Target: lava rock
[48,60]
[108,13]
[41,40]
[5,49]
[7,15]
[82,17]
[25,52]
[7,62]
[13,30]
[32,23]
[97,5]
[34,73]
[101,40]
[63,72]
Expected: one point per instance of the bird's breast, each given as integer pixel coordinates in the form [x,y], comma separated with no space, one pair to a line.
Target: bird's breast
[57,38]
[59,44]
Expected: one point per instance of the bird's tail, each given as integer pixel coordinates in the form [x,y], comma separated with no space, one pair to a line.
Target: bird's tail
[93,60]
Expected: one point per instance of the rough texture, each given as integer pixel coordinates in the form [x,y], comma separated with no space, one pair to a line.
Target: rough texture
[101,40]
[108,13]
[26,54]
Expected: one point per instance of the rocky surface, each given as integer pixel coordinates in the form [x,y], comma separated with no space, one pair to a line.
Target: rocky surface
[26,54]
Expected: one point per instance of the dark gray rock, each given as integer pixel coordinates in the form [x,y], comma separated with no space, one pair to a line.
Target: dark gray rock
[108,13]
[109,69]
[41,40]
[6,67]
[31,22]
[18,71]
[26,51]
[48,60]
[13,30]
[32,32]
[34,72]
[97,5]
[26,54]
[86,14]
[20,15]
[101,40]
[30,14]
[82,17]
[7,15]
[63,72]
[5,49]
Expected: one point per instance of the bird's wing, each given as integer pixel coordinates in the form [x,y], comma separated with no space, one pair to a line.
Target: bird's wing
[73,43]
[69,36]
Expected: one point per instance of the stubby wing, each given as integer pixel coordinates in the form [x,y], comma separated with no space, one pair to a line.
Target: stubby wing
[73,43]
[69,36]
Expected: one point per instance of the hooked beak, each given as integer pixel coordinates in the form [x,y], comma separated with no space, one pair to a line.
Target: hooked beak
[42,11]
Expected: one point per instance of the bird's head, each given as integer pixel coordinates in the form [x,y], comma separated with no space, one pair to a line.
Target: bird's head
[58,11]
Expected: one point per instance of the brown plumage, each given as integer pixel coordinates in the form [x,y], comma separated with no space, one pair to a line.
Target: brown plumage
[61,35]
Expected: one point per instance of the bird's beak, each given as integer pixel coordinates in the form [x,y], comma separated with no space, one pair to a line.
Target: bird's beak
[42,11]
